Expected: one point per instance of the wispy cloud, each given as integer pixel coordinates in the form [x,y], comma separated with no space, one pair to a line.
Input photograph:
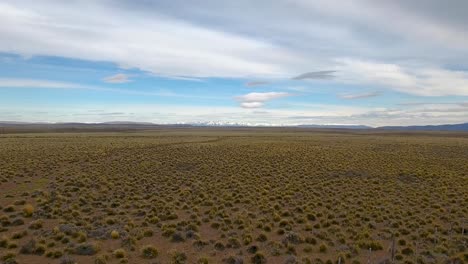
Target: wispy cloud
[256,83]
[359,95]
[185,78]
[257,100]
[316,75]
[49,84]
[34,83]
[427,103]
[117,78]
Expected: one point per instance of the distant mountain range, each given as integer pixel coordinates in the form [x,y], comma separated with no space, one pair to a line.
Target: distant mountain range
[452,127]
[148,125]
[337,126]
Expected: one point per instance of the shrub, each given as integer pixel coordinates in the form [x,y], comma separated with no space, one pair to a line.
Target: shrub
[17,222]
[120,253]
[12,245]
[323,248]
[19,202]
[149,252]
[148,233]
[81,236]
[199,244]
[36,224]
[233,243]
[28,210]
[311,217]
[54,254]
[190,234]
[407,251]
[178,257]
[374,245]
[202,260]
[100,260]
[18,235]
[177,237]
[293,238]
[115,234]
[258,258]
[9,258]
[310,240]
[234,260]
[252,249]
[219,246]
[31,247]
[262,238]
[9,209]
[3,242]
[246,239]
[87,249]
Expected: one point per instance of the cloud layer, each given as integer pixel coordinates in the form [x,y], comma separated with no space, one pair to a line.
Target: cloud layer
[171,114]
[419,80]
[349,52]
[152,42]
[176,38]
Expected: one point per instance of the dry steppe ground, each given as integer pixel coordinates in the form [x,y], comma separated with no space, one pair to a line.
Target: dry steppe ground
[234,196]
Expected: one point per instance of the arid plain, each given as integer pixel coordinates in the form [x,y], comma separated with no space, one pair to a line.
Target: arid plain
[240,195]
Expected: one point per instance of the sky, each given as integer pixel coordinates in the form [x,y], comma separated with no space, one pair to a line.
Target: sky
[282,62]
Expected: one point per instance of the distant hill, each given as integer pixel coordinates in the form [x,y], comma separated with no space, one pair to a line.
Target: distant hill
[129,125]
[452,127]
[336,126]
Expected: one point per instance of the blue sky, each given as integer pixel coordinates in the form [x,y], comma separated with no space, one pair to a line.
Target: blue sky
[180,62]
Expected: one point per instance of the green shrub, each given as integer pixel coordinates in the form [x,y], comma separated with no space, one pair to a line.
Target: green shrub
[120,253]
[323,248]
[149,252]
[178,257]
[258,258]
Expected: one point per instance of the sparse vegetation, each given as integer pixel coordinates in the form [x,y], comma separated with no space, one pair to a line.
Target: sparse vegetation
[273,196]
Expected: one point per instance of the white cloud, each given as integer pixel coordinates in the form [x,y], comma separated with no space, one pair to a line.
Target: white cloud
[251,104]
[174,38]
[154,43]
[316,75]
[416,80]
[117,78]
[262,97]
[257,100]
